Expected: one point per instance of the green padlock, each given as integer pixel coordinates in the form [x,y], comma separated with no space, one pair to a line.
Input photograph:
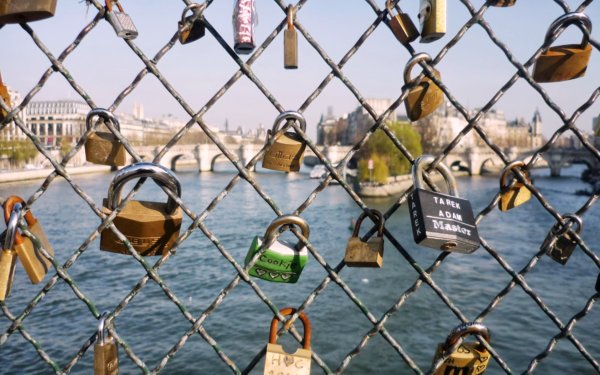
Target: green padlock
[282,262]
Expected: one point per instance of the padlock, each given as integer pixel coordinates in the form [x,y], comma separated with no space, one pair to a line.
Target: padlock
[432,17]
[120,21]
[277,360]
[562,63]
[282,262]
[104,147]
[8,256]
[244,18]
[290,42]
[106,355]
[151,227]
[402,26]
[19,11]
[518,193]
[5,98]
[559,244]
[36,265]
[441,221]
[190,32]
[287,150]
[470,357]
[366,254]
[501,3]
[426,96]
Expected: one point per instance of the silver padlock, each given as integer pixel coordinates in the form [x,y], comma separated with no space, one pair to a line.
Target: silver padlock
[120,21]
[559,244]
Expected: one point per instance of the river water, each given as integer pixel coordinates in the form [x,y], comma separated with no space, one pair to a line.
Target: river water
[151,324]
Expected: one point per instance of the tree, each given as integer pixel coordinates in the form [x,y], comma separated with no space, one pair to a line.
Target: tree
[19,152]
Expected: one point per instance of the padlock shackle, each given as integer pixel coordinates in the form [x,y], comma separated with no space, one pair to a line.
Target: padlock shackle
[419,167]
[161,175]
[110,8]
[11,228]
[194,6]
[419,57]
[303,318]
[518,164]
[470,328]
[9,205]
[559,228]
[290,17]
[287,220]
[380,221]
[100,337]
[105,115]
[289,115]
[579,19]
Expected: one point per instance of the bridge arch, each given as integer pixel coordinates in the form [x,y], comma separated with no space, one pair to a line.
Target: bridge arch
[214,160]
[460,165]
[178,157]
[488,165]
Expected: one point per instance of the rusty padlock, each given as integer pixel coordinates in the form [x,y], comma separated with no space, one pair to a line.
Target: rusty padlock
[287,150]
[516,195]
[501,3]
[290,42]
[192,31]
[106,355]
[562,63]
[426,96]
[8,255]
[432,17]
[120,21]
[366,254]
[18,11]
[559,244]
[104,147]
[402,26]
[470,357]
[5,98]
[277,360]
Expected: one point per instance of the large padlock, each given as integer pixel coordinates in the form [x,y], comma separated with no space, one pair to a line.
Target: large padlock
[470,357]
[5,98]
[432,17]
[192,31]
[104,147]
[106,355]
[277,360]
[402,26]
[120,21]
[559,244]
[8,256]
[150,227]
[441,221]
[290,42]
[282,261]
[501,3]
[426,96]
[516,195]
[244,18]
[366,254]
[35,263]
[19,11]
[287,150]
[562,63]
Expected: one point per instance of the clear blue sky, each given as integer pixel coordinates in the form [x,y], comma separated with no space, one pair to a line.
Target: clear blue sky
[473,70]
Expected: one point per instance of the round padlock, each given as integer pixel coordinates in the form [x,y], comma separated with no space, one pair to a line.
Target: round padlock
[578,19]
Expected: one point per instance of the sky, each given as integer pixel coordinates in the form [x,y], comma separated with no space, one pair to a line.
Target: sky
[474,69]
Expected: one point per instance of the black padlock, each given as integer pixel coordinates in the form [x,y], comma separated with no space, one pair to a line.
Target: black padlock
[189,32]
[441,221]
[559,244]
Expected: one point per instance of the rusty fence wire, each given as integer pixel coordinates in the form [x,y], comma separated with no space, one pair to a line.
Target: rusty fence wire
[380,19]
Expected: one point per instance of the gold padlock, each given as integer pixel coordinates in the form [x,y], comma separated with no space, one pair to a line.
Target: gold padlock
[562,63]
[8,256]
[290,42]
[277,360]
[106,355]
[518,193]
[190,32]
[104,147]
[5,98]
[366,254]
[426,96]
[402,26]
[35,263]
[470,357]
[18,11]
[287,151]
[151,227]
[432,17]
[501,3]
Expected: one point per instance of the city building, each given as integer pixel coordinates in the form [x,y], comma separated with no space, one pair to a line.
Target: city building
[11,132]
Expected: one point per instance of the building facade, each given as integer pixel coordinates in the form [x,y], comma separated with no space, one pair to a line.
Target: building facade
[11,132]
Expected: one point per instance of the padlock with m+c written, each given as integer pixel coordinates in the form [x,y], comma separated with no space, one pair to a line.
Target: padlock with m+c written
[277,360]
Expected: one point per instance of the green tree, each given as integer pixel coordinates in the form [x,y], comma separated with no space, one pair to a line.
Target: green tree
[18,151]
[380,169]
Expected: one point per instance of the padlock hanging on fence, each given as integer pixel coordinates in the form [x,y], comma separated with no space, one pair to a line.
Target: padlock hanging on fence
[370,253]
[402,26]
[8,255]
[106,354]
[277,360]
[244,20]
[290,41]
[511,197]
[121,22]
[426,96]
[104,147]
[192,31]
[5,98]
[287,150]
[432,17]
[559,243]
[470,357]
[19,11]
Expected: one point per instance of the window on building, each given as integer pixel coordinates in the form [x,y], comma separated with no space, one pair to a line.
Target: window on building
[34,129]
[59,129]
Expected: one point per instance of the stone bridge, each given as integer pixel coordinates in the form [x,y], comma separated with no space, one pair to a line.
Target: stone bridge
[558,158]
[479,160]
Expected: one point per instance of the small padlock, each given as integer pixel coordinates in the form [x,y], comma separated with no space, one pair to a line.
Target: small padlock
[104,147]
[106,355]
[192,31]
[562,63]
[5,98]
[277,360]
[290,42]
[366,254]
[8,256]
[516,195]
[559,244]
[244,18]
[19,11]
[432,17]
[282,262]
[441,221]
[402,26]
[426,96]
[287,150]
[151,227]
[501,3]
[120,21]
[36,265]
[470,357]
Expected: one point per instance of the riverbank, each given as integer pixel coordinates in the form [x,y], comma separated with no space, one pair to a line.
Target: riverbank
[36,174]
[395,186]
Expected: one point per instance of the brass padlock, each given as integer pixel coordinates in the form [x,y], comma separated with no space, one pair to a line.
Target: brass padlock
[35,263]
[106,355]
[402,26]
[290,42]
[287,151]
[192,31]
[432,17]
[19,11]
[470,357]
[559,244]
[366,254]
[5,98]
[426,96]
[8,256]
[501,3]
[151,227]
[244,18]
[277,360]
[120,21]
[562,63]
[518,193]
[104,147]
